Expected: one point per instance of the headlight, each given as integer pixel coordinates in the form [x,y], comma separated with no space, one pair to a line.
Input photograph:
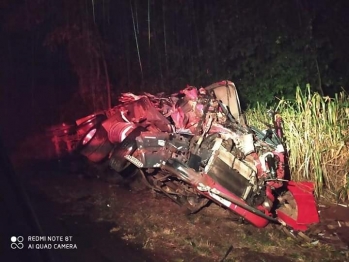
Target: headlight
[89,136]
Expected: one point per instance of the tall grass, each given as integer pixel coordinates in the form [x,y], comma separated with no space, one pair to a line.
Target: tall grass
[317,137]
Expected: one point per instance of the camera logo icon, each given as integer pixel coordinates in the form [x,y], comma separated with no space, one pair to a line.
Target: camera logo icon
[17,242]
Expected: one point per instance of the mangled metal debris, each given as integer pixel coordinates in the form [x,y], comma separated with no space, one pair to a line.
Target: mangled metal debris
[195,146]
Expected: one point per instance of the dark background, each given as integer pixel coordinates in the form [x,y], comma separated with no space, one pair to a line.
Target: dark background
[59,58]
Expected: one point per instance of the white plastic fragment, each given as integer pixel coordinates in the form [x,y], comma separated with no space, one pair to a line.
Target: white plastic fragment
[315,242]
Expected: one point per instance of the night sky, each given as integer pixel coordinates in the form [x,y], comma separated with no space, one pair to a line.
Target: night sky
[59,57]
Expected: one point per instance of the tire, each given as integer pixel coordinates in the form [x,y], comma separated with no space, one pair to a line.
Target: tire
[127,147]
[98,146]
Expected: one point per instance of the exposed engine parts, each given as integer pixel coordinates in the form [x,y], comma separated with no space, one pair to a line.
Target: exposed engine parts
[196,146]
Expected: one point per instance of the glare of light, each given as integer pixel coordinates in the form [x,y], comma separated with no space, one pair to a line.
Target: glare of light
[89,136]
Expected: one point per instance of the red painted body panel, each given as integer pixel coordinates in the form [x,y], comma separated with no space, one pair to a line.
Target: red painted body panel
[249,216]
[306,206]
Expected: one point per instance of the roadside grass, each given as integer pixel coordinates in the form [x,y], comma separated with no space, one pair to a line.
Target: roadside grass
[242,240]
[316,129]
[186,238]
[208,235]
[159,227]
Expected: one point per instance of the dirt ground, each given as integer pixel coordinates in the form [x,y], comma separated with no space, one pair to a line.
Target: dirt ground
[111,219]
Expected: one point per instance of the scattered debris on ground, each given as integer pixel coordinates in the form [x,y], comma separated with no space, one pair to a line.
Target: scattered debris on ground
[119,220]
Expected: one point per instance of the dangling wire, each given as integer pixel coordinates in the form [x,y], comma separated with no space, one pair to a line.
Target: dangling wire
[136,39]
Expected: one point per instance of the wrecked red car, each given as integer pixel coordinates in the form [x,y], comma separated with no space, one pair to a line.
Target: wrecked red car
[195,146]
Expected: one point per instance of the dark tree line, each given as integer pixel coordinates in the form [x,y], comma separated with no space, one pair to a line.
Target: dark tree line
[266,47]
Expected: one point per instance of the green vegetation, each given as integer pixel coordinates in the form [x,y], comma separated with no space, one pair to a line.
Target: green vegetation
[317,133]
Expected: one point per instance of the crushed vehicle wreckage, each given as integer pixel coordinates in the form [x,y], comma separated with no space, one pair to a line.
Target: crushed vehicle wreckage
[195,146]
